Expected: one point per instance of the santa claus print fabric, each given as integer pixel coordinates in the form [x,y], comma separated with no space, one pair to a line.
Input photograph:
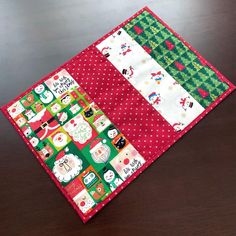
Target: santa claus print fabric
[99,120]
[86,153]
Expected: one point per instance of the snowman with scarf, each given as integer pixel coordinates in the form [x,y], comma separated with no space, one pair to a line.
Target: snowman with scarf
[154,98]
[111,179]
[157,77]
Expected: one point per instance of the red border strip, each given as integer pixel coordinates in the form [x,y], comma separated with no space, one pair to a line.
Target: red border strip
[85,218]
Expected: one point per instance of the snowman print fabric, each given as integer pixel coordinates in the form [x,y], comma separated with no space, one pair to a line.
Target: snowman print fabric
[145,88]
[75,139]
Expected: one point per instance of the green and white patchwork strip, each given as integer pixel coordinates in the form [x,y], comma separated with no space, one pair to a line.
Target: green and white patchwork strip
[155,84]
[178,60]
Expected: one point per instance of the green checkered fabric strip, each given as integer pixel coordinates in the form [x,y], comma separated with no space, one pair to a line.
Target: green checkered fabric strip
[177,59]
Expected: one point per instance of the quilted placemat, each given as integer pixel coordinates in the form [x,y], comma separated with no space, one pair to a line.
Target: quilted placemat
[104,116]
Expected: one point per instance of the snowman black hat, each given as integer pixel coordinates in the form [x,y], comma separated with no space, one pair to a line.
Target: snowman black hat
[104,169]
[112,127]
[124,71]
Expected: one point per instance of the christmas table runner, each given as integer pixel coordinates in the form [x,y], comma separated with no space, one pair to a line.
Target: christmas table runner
[100,119]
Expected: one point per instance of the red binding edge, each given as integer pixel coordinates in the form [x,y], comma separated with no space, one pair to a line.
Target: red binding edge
[86,217]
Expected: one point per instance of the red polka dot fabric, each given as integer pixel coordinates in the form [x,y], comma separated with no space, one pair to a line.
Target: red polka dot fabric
[144,127]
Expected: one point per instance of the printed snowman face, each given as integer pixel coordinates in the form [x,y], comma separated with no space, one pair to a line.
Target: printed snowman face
[34,141]
[157,77]
[112,132]
[44,95]
[59,139]
[55,108]
[124,48]
[109,176]
[67,167]
[128,73]
[154,98]
[189,103]
[39,89]
[66,99]
[186,103]
[84,201]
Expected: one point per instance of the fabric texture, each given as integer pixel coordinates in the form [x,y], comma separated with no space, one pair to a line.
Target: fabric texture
[103,117]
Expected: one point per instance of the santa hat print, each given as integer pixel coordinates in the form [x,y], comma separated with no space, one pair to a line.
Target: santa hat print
[96,143]
[60,115]
[62,154]
[97,117]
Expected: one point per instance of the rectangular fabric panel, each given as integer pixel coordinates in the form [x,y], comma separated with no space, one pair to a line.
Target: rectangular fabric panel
[100,119]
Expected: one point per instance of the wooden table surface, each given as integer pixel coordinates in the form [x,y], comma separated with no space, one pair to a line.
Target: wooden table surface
[190,190]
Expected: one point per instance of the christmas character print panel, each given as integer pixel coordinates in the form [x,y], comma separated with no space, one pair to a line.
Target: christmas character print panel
[87,154]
